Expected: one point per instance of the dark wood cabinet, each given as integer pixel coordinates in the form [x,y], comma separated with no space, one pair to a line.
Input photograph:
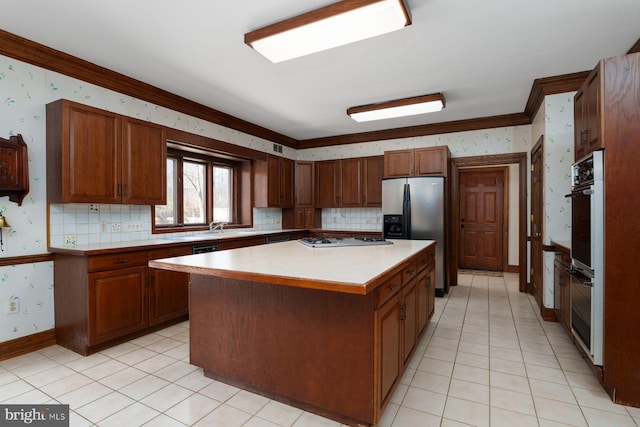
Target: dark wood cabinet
[409,317]
[103,300]
[117,303]
[304,215]
[372,174]
[389,330]
[274,182]
[168,290]
[327,184]
[349,183]
[144,163]
[96,156]
[587,116]
[425,161]
[14,168]
[404,305]
[562,287]
[304,184]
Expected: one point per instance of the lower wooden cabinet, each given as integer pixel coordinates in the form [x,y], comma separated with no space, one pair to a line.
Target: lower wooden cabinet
[117,303]
[404,305]
[102,300]
[168,290]
[562,289]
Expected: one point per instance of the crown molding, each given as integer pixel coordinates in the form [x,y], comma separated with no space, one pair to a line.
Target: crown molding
[25,50]
[552,85]
[28,51]
[420,130]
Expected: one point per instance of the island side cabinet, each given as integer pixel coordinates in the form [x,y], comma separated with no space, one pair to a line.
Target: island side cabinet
[103,300]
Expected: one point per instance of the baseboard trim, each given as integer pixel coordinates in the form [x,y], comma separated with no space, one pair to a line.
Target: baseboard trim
[24,345]
[548,314]
[512,269]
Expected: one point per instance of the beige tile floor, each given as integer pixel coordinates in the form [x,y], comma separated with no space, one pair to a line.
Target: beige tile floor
[486,359]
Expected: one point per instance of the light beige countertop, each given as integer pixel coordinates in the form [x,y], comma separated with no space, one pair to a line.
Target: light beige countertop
[351,269]
[161,240]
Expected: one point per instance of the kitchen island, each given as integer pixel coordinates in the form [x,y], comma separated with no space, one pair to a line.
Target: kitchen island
[329,330]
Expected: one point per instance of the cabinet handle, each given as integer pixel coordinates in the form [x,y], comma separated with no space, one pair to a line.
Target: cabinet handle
[403,316]
[126,190]
[410,272]
[583,136]
[119,190]
[392,287]
[121,261]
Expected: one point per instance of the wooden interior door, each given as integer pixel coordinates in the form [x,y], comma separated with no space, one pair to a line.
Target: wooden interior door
[536,273]
[481,218]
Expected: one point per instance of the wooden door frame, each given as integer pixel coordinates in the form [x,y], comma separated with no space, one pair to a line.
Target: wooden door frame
[538,146]
[504,171]
[490,160]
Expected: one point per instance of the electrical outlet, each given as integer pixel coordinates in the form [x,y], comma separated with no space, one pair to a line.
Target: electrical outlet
[94,208]
[13,306]
[70,240]
[115,227]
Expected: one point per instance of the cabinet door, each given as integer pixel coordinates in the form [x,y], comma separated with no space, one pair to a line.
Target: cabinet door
[388,331]
[326,184]
[168,290]
[286,183]
[398,163]
[310,218]
[117,303]
[372,174]
[304,184]
[431,287]
[431,161]
[409,316]
[273,181]
[350,175]
[580,137]
[91,150]
[144,163]
[592,112]
[423,300]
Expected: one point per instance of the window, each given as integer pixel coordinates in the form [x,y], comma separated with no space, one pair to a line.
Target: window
[200,189]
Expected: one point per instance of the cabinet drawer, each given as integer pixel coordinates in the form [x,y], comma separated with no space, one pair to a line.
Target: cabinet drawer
[410,271]
[170,252]
[115,261]
[388,289]
[425,257]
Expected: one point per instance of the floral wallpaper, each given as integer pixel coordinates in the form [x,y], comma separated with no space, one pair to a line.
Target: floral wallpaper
[555,122]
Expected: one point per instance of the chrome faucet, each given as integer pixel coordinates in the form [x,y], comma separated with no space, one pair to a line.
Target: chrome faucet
[217,226]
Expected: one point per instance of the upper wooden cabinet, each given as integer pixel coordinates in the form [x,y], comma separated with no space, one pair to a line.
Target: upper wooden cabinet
[304,188]
[354,182]
[96,156]
[274,181]
[426,161]
[587,116]
[372,174]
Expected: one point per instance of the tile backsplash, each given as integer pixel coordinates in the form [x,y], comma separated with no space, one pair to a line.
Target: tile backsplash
[82,224]
[359,219]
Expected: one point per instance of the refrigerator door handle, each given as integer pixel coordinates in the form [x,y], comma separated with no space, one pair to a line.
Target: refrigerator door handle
[406,211]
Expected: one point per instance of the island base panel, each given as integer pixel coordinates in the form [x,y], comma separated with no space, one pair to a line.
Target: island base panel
[309,348]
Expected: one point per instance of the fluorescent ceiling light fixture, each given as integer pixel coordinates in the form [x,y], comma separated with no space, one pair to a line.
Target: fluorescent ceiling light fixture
[335,25]
[398,108]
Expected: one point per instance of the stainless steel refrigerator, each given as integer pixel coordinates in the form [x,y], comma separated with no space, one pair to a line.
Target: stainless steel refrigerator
[414,208]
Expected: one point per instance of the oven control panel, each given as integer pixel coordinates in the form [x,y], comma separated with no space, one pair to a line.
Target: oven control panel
[588,170]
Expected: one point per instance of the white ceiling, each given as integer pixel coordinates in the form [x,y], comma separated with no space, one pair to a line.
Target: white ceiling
[483,55]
